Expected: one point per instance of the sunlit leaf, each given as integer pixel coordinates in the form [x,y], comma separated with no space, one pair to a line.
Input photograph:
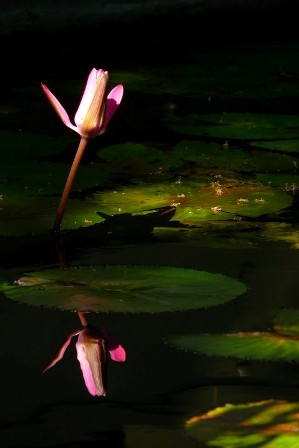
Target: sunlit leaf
[196,200]
[267,424]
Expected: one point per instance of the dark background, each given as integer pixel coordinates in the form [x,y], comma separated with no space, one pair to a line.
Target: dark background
[51,38]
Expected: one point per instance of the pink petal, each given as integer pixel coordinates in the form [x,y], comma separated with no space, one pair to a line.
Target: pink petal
[59,108]
[61,351]
[116,350]
[113,101]
[87,95]
[86,370]
[91,354]
[118,354]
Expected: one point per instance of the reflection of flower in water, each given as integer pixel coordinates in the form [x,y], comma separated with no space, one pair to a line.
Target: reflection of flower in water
[92,346]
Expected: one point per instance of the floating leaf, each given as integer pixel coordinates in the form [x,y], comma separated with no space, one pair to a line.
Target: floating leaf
[286,322]
[222,156]
[221,234]
[288,182]
[259,345]
[29,146]
[282,232]
[268,424]
[291,145]
[129,152]
[196,199]
[124,289]
[23,214]
[238,126]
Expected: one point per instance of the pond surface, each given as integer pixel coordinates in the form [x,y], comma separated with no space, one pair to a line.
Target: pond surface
[197,175]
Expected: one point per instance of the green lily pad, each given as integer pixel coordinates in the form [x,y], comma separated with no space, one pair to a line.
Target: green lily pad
[196,200]
[291,145]
[146,289]
[219,234]
[238,126]
[286,322]
[29,146]
[288,182]
[268,424]
[281,231]
[129,152]
[21,214]
[224,156]
[264,346]
[46,178]
[30,190]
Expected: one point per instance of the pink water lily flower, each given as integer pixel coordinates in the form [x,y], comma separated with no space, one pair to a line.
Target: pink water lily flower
[92,346]
[96,108]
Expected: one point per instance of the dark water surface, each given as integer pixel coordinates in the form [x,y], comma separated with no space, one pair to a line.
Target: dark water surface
[159,387]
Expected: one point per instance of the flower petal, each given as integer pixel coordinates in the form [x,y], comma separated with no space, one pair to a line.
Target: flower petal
[116,350]
[87,95]
[113,101]
[59,108]
[91,354]
[90,117]
[61,351]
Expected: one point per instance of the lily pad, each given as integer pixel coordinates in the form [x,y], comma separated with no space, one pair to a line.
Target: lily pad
[146,289]
[238,126]
[282,231]
[21,214]
[46,178]
[129,152]
[226,156]
[196,200]
[286,322]
[288,182]
[258,346]
[29,146]
[291,145]
[268,423]
[28,203]
[219,234]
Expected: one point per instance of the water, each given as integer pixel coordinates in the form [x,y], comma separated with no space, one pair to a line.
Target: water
[159,387]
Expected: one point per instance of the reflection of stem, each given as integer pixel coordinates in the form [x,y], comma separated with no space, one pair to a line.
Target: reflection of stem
[68,185]
[82,318]
[60,253]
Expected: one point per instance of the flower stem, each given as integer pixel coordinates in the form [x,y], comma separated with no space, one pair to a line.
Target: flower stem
[82,318]
[68,185]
